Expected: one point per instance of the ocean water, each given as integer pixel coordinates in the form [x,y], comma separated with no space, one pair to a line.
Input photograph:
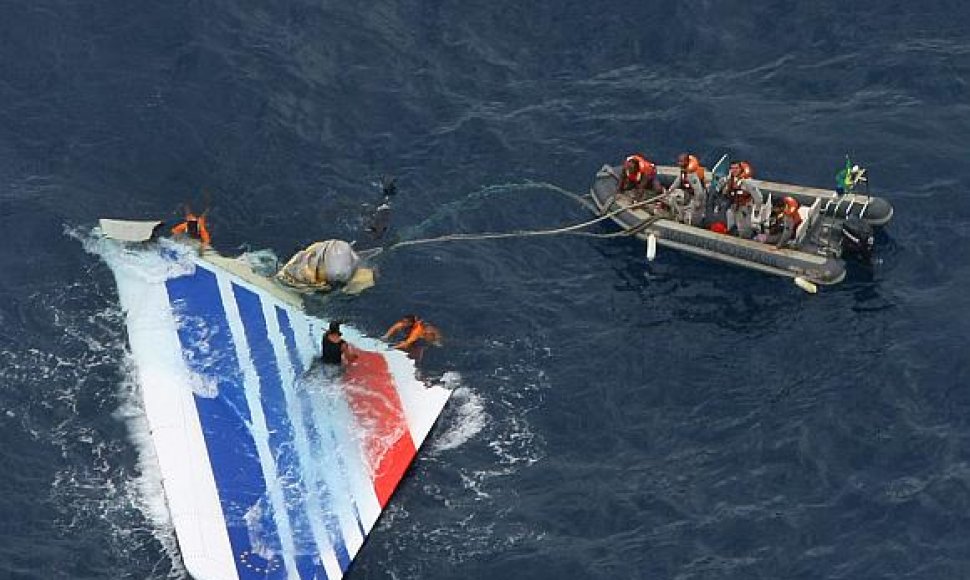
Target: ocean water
[613,418]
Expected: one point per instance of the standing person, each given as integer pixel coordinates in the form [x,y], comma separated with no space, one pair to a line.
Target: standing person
[334,350]
[744,195]
[688,196]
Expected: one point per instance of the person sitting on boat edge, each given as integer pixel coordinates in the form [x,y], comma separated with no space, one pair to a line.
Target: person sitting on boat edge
[688,196]
[334,350]
[743,196]
[639,176]
[791,219]
[782,224]
[774,223]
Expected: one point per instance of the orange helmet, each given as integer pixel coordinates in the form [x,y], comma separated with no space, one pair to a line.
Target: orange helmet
[791,205]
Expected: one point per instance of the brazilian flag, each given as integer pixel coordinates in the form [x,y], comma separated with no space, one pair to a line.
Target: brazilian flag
[843,179]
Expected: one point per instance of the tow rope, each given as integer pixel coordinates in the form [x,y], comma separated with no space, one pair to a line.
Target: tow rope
[574,229]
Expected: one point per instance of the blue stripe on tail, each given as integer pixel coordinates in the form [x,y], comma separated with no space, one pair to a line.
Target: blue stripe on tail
[209,352]
[315,439]
[280,428]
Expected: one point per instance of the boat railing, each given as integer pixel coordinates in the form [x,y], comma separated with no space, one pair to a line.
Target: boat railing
[808,221]
[760,214]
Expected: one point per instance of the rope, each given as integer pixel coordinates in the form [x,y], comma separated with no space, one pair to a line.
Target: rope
[581,199]
[490,191]
[566,230]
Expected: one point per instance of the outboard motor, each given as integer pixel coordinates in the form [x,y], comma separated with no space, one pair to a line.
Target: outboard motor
[857,239]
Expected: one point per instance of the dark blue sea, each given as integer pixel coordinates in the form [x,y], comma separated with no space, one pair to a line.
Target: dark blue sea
[614,418]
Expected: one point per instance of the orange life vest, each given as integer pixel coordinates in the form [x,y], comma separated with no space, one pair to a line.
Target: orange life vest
[416,332]
[194,226]
[693,166]
[645,169]
[737,194]
[792,212]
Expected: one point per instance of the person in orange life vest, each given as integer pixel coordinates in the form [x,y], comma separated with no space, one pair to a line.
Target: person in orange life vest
[791,219]
[639,176]
[775,223]
[334,350]
[414,330]
[743,196]
[688,196]
[193,226]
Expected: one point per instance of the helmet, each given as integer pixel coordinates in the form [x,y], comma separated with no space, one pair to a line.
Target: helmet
[791,205]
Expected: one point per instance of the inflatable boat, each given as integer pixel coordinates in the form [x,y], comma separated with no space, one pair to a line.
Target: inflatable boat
[834,226]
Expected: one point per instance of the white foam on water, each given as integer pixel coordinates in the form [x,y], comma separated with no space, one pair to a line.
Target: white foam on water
[344,459]
[467,417]
[148,494]
[489,426]
[91,489]
[133,261]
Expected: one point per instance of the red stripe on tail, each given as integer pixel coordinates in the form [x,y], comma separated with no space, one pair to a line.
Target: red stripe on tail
[376,405]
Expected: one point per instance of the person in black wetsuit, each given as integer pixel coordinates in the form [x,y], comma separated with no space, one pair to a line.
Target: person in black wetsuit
[334,350]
